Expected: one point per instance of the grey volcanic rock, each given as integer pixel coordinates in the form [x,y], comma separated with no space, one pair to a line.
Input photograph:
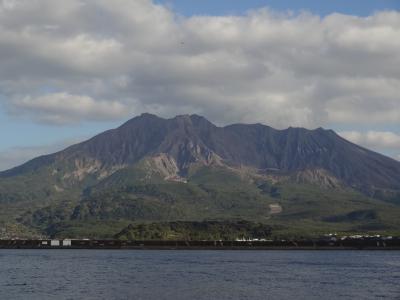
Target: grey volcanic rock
[193,139]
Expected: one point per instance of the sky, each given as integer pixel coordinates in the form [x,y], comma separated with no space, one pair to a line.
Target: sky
[72,69]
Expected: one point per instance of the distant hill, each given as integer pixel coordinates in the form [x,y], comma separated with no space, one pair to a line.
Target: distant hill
[188,169]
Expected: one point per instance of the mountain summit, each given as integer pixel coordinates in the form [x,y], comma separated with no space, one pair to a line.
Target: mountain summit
[187,152]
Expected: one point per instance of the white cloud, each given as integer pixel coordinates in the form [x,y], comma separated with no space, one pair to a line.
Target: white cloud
[374,139]
[110,59]
[381,141]
[64,108]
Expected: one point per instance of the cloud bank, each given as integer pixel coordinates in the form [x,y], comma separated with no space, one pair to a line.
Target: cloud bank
[376,140]
[68,61]
[65,108]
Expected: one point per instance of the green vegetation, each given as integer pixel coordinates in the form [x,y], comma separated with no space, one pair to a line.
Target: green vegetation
[206,230]
[201,198]
[213,193]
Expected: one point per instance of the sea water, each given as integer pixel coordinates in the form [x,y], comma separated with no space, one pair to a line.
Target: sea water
[148,274]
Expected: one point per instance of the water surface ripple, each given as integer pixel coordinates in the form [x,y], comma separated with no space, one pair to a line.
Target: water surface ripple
[110,274]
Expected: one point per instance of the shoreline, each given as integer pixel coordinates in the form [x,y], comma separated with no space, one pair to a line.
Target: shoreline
[370,244]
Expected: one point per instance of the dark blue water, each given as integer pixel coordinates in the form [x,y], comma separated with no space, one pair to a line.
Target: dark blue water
[92,274]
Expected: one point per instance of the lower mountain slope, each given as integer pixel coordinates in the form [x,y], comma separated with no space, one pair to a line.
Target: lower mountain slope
[214,193]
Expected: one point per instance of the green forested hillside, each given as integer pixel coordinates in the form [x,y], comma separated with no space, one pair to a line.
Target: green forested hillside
[213,194]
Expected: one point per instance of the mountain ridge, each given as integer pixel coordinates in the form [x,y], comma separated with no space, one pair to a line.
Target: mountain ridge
[192,138]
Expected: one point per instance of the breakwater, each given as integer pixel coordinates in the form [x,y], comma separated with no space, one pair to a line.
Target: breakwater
[353,244]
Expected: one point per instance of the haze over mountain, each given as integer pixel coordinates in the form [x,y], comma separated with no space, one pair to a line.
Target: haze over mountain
[186,168]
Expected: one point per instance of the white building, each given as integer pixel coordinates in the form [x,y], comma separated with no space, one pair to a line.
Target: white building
[55,243]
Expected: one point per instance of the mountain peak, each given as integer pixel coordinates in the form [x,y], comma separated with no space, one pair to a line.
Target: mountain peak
[185,116]
[146,116]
